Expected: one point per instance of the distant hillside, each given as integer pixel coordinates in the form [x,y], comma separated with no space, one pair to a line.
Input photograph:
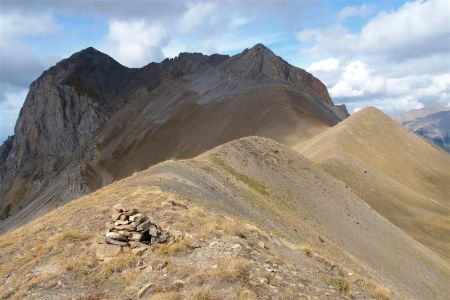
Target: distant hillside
[431,122]
[89,120]
[396,172]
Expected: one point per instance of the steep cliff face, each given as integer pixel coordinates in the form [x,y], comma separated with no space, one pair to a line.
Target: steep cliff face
[89,120]
[63,109]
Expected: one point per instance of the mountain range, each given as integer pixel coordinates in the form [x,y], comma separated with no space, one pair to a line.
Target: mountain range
[432,122]
[271,190]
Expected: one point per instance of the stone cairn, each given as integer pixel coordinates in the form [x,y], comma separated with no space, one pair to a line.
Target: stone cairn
[129,229]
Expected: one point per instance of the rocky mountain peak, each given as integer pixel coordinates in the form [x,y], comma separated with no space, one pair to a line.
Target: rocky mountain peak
[88,108]
[259,65]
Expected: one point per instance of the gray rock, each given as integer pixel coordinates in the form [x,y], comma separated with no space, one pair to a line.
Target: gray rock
[115,242]
[144,226]
[153,231]
[135,236]
[116,236]
[121,222]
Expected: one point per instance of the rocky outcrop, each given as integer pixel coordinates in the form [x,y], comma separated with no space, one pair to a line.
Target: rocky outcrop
[88,120]
[63,109]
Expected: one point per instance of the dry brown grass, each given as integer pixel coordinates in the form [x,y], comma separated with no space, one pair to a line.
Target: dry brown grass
[120,263]
[307,250]
[228,269]
[170,295]
[244,293]
[377,290]
[204,293]
[174,248]
[341,282]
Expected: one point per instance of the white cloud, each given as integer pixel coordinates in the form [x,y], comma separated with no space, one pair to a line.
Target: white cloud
[136,43]
[9,111]
[359,85]
[196,15]
[327,65]
[20,64]
[362,10]
[14,26]
[415,29]
[399,60]
[388,105]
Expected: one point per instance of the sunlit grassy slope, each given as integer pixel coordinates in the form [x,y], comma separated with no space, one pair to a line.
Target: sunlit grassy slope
[403,177]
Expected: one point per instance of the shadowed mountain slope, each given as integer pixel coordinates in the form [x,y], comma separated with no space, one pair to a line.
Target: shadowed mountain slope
[89,121]
[396,172]
[258,181]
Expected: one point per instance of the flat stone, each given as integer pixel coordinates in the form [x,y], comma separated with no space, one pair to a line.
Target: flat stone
[141,219]
[123,227]
[153,231]
[107,250]
[139,250]
[143,226]
[261,244]
[123,217]
[121,222]
[135,236]
[163,238]
[144,289]
[115,242]
[116,236]
[133,218]
[124,233]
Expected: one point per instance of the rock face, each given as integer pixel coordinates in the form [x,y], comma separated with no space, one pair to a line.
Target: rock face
[88,120]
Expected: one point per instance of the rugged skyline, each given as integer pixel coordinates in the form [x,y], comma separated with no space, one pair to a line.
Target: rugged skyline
[366,53]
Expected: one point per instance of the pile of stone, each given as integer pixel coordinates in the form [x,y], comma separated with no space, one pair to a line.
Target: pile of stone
[128,230]
[128,227]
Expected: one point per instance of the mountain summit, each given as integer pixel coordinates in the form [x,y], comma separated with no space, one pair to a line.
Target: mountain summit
[89,120]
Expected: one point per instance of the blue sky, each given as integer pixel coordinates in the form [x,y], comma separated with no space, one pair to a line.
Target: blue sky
[391,54]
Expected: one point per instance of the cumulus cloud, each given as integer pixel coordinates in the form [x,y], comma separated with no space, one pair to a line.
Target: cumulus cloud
[362,10]
[135,43]
[416,29]
[399,60]
[14,25]
[326,65]
[196,15]
[359,85]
